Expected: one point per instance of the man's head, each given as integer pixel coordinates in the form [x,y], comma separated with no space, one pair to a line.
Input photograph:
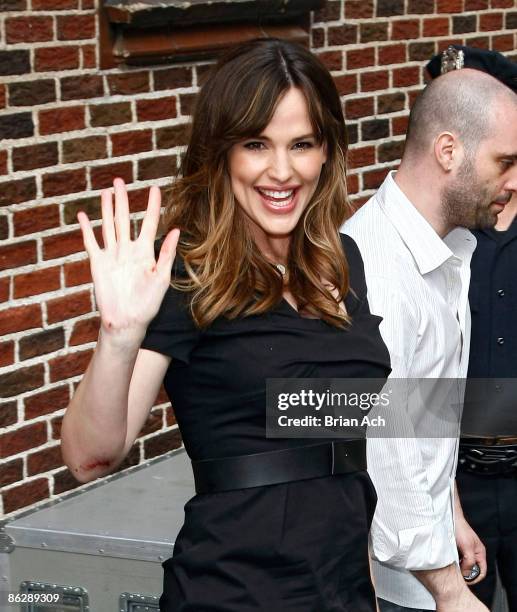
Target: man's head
[463,128]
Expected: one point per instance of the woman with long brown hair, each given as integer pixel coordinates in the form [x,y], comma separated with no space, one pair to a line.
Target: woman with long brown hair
[262,286]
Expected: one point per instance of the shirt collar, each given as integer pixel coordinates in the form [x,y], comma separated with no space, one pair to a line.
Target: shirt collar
[425,245]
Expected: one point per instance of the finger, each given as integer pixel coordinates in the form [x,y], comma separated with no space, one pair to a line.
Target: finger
[467,561]
[89,240]
[168,252]
[152,215]
[108,228]
[121,211]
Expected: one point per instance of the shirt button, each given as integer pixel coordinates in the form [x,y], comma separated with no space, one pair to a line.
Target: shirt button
[500,340]
[500,293]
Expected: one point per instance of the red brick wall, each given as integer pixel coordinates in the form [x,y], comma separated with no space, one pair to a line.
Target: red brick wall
[67,128]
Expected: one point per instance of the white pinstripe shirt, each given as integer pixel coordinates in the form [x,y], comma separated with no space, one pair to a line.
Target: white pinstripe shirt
[418,283]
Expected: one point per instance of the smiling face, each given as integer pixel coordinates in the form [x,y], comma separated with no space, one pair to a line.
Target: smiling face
[275,174]
[486,183]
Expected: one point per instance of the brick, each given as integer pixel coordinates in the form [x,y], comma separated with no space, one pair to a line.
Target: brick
[20,318]
[333,60]
[42,343]
[15,62]
[2,95]
[173,136]
[127,143]
[19,125]
[406,77]
[360,58]
[162,443]
[64,481]
[84,149]
[391,103]
[358,107]
[358,9]
[12,384]
[44,460]
[4,227]
[89,55]
[156,109]
[25,494]
[80,87]
[46,402]
[342,35]
[481,42]
[17,254]
[6,353]
[390,151]
[374,178]
[4,289]
[503,4]
[13,5]
[75,27]
[491,21]
[375,129]
[503,43]
[346,84]
[110,114]
[91,206]
[85,331]
[438,26]
[63,183]
[388,8]
[364,156]
[421,6]
[8,413]
[352,133]
[60,245]
[35,156]
[172,78]
[28,29]
[421,51]
[32,93]
[449,6]
[128,83]
[15,192]
[156,167]
[392,54]
[55,425]
[69,365]
[65,119]
[317,38]
[77,273]
[11,472]
[405,29]
[331,11]
[54,5]
[35,220]
[373,32]
[34,283]
[69,306]
[3,168]
[56,58]
[476,5]
[463,23]
[187,103]
[399,125]
[352,183]
[102,176]
[372,81]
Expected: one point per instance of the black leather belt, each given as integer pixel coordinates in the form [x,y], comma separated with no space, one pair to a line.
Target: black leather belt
[276,467]
[487,460]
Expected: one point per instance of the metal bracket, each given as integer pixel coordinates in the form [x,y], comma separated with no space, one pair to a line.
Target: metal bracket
[135,602]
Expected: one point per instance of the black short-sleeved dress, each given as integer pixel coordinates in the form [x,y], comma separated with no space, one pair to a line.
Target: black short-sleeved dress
[295,547]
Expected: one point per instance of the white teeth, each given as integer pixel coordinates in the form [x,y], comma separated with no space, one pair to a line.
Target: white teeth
[277,194]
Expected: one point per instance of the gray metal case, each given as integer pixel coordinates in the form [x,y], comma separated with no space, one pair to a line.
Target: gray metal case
[100,547]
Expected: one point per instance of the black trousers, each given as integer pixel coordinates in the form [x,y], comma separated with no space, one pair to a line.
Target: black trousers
[490,506]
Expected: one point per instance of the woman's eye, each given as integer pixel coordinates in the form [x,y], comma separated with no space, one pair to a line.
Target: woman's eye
[303,145]
[254,146]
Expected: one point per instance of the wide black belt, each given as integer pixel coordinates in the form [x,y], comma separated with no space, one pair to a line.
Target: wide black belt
[493,459]
[281,466]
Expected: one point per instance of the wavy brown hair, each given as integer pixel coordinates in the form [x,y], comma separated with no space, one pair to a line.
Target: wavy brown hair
[227,273]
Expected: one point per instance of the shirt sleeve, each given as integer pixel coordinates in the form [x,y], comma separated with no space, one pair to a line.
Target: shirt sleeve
[406,531]
[173,331]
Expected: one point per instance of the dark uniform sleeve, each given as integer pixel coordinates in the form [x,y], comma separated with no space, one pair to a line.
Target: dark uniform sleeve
[173,331]
[356,301]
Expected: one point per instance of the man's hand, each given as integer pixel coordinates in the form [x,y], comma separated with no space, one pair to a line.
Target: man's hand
[471,550]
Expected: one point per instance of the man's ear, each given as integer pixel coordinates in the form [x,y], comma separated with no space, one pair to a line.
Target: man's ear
[446,151]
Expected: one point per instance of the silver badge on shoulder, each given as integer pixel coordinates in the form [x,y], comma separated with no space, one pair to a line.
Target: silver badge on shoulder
[452,59]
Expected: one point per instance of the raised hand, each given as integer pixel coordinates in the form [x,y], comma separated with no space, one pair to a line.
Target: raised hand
[129,283]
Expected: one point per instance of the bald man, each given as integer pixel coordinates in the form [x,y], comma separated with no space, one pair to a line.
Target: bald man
[458,171]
